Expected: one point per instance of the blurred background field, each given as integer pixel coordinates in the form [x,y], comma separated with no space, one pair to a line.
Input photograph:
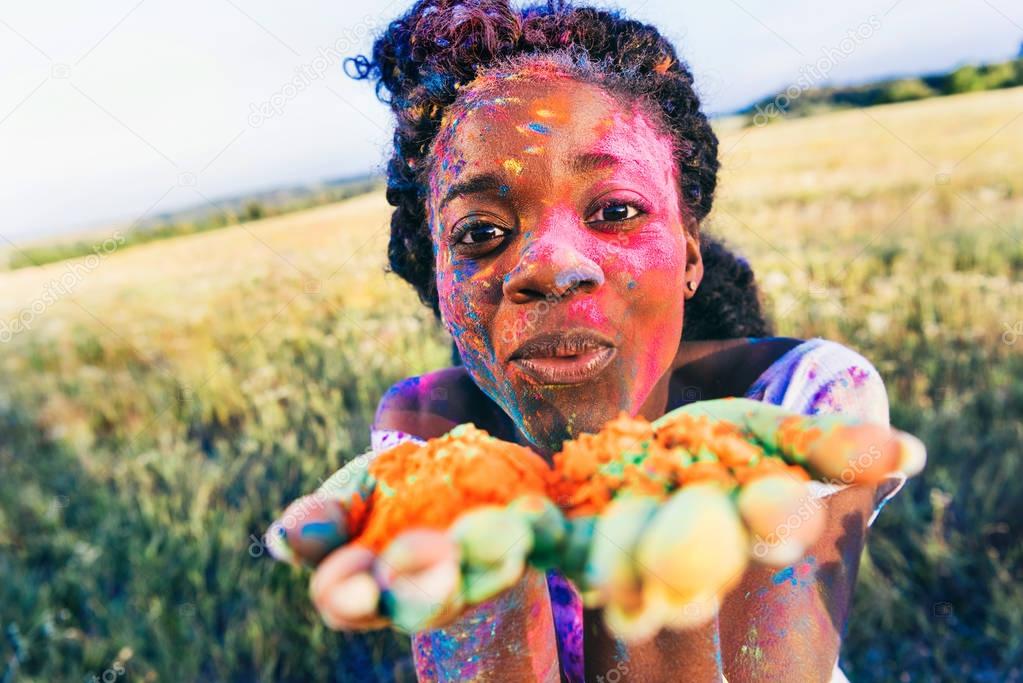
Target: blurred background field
[157,415]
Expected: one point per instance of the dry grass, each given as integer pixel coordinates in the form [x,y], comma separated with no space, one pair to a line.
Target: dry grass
[185,390]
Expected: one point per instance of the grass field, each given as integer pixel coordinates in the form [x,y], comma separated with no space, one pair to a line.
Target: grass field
[160,403]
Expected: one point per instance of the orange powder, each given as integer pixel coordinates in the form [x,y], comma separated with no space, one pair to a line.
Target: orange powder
[794,437]
[628,457]
[431,485]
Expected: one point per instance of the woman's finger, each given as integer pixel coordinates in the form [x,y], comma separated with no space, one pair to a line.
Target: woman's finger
[310,528]
[611,574]
[782,516]
[421,579]
[695,548]
[345,592]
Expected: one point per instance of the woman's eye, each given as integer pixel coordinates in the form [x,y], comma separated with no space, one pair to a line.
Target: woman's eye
[478,234]
[614,213]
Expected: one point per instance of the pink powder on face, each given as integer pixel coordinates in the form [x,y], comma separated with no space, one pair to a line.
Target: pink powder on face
[633,272]
[638,141]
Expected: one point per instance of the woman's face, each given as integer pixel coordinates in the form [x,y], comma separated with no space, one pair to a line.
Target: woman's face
[561,253]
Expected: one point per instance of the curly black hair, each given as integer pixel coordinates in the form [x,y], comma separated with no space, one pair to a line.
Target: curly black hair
[424,57]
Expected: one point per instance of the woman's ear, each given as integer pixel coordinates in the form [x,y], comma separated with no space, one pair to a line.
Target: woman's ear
[694,264]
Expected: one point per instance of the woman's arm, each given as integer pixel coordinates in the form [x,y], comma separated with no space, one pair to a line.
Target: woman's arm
[779,624]
[508,638]
[787,624]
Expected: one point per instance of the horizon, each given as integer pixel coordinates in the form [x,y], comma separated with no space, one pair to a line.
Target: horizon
[163,152]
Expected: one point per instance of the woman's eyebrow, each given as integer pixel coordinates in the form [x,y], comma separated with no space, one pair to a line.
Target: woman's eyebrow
[478,184]
[594,161]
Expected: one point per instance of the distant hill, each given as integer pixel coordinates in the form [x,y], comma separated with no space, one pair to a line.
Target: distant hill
[200,218]
[968,78]
[255,205]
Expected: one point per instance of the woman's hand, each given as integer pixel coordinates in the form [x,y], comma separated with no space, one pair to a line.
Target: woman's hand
[344,592]
[494,623]
[662,523]
[507,638]
[779,623]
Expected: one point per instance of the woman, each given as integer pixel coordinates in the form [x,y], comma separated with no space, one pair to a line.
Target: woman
[551,170]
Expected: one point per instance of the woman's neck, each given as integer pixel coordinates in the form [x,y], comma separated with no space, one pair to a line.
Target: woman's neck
[675,388]
[703,370]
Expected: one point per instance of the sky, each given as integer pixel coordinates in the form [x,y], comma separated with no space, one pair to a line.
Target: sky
[116,110]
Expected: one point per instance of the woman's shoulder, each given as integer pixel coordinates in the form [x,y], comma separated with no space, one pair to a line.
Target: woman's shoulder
[429,405]
[822,376]
[717,368]
[422,405]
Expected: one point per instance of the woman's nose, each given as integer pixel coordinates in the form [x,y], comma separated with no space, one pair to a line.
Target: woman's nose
[551,269]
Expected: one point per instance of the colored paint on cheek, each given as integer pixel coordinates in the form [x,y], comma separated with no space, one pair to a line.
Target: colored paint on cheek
[533,150]
[539,128]
[513,166]
[464,308]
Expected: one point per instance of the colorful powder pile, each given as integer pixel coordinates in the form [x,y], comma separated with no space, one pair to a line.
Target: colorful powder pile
[654,522]
[429,486]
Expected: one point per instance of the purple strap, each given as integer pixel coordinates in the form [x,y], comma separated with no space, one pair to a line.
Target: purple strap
[567,608]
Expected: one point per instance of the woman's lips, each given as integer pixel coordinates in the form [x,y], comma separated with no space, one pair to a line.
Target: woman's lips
[567,369]
[571,357]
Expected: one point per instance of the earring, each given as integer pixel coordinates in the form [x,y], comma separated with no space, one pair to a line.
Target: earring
[691,285]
